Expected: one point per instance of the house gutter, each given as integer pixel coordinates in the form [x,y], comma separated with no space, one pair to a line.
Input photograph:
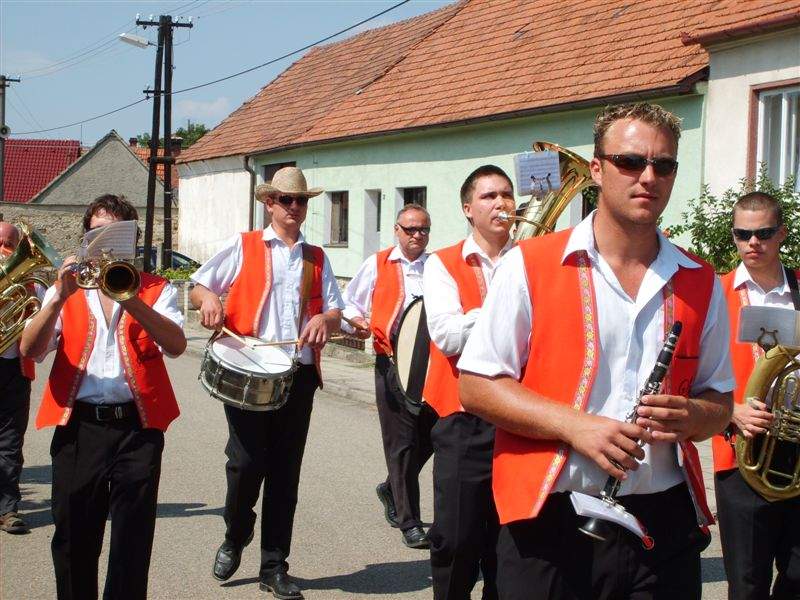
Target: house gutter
[251,196]
[730,33]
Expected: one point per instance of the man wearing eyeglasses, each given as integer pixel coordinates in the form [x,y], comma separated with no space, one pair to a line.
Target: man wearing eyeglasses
[568,335]
[269,276]
[755,533]
[456,278]
[375,300]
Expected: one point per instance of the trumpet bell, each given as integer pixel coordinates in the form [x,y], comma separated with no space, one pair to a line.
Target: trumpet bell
[119,280]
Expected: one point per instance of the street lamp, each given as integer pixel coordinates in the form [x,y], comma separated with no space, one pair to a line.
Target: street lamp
[135,40]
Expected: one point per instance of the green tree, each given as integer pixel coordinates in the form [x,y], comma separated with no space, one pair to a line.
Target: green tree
[189,135]
[708,222]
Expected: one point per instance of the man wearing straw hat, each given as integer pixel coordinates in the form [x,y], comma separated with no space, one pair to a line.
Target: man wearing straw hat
[269,275]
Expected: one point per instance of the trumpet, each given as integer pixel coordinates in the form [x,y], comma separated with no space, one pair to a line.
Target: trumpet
[117,279]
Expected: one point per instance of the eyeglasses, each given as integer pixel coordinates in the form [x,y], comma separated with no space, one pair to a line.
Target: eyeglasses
[765,233]
[636,162]
[287,200]
[410,231]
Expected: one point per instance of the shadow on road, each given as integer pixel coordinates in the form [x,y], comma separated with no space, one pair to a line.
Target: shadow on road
[713,569]
[168,510]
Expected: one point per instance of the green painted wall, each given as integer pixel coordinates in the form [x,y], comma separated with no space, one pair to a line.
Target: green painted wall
[440,160]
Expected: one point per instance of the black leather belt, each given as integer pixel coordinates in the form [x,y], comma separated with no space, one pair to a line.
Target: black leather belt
[102,413]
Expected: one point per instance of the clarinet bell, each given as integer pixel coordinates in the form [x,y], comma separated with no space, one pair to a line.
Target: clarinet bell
[596,529]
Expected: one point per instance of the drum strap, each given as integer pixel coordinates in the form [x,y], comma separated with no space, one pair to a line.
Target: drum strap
[305,285]
[791,279]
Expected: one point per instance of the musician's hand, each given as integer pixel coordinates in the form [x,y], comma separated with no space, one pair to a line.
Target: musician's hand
[315,333]
[65,283]
[605,440]
[751,417]
[669,418]
[361,326]
[211,313]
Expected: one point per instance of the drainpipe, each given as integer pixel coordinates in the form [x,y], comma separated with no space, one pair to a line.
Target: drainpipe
[251,196]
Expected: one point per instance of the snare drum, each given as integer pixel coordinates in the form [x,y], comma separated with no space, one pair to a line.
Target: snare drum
[250,378]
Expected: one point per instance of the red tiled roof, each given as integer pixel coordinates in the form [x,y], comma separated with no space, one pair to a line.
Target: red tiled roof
[144,155]
[476,60]
[288,106]
[734,18]
[32,164]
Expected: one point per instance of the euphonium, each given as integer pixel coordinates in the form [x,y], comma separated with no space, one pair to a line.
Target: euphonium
[770,462]
[18,300]
[117,279]
[541,214]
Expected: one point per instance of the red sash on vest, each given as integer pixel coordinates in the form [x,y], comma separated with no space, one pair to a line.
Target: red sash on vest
[387,300]
[743,357]
[562,363]
[141,360]
[251,288]
[441,385]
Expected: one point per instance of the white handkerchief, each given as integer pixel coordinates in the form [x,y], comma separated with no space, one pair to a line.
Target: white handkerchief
[591,507]
[116,239]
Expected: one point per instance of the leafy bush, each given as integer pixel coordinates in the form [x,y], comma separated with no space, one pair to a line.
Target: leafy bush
[183,273]
[708,222]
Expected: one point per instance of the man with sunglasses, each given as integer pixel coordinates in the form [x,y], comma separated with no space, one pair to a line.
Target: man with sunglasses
[756,534]
[269,277]
[455,281]
[569,333]
[385,284]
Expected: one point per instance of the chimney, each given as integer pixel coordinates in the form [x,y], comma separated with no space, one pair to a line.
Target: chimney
[133,142]
[176,146]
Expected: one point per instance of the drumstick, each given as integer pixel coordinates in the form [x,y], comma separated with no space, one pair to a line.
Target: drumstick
[236,336]
[293,342]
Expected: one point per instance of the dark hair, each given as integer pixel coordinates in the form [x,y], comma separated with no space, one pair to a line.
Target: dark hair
[652,114]
[469,183]
[113,205]
[760,201]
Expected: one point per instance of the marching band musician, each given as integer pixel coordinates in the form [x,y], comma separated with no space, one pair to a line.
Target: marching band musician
[385,284]
[455,281]
[263,271]
[110,400]
[568,334]
[755,532]
[15,397]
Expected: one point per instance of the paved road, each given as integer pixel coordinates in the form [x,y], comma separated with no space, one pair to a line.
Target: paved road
[342,546]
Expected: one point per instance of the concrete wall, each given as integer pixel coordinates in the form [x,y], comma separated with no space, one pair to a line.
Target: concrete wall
[110,168]
[734,68]
[438,159]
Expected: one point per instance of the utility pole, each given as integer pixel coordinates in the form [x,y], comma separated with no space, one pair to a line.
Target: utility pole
[4,131]
[165,25]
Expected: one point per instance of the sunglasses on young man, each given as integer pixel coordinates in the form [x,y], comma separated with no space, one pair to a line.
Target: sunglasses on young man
[765,233]
[638,163]
[287,200]
[410,231]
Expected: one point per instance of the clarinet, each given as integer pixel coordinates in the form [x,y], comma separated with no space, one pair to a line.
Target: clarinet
[594,526]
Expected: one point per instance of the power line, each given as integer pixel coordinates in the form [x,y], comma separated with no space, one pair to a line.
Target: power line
[20,113]
[25,106]
[105,114]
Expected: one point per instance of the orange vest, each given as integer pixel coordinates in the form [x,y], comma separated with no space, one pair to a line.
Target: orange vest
[28,367]
[743,358]
[441,385]
[387,301]
[563,361]
[250,290]
[142,362]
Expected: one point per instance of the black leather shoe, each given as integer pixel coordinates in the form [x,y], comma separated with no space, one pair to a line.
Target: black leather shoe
[227,559]
[416,538]
[281,586]
[387,499]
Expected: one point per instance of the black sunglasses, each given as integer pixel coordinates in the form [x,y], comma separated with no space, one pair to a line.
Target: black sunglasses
[423,231]
[637,162]
[765,233]
[287,200]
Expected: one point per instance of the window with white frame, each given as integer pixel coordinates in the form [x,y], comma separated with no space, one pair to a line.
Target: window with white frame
[779,134]
[338,218]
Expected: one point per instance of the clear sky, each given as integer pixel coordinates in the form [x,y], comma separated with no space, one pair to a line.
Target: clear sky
[73,68]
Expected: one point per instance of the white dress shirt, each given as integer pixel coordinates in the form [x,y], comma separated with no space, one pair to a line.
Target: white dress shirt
[780,295]
[631,334]
[104,381]
[358,293]
[448,326]
[281,310]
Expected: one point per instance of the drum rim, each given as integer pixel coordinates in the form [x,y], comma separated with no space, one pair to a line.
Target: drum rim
[271,375]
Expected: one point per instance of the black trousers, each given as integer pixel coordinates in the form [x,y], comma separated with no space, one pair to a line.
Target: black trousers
[100,469]
[755,533]
[406,442]
[267,447]
[548,558]
[465,524]
[15,400]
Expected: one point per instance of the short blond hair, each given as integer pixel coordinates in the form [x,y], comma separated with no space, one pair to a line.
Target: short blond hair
[640,111]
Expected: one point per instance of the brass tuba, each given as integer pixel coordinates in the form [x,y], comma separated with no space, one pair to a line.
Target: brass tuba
[541,214]
[770,462]
[17,274]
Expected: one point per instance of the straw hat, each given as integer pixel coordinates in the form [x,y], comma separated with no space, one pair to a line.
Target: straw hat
[288,181]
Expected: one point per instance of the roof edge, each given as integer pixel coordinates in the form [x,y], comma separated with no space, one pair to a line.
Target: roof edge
[761,26]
